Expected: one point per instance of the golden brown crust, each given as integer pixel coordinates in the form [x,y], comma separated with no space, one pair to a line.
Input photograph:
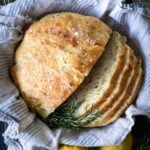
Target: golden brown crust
[55,55]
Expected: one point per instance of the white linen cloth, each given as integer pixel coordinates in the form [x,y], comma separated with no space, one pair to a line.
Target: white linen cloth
[25,131]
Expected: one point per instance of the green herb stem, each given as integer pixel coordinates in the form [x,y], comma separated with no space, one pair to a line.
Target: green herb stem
[65,117]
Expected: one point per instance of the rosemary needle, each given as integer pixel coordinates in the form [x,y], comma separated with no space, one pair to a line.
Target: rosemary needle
[64,117]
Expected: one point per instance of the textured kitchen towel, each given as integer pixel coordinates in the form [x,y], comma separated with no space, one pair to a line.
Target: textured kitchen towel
[25,131]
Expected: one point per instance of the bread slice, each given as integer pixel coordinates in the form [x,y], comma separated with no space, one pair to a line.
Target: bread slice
[122,102]
[120,83]
[55,55]
[130,97]
[102,79]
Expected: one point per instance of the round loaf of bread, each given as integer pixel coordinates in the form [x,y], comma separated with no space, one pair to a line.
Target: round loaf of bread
[55,55]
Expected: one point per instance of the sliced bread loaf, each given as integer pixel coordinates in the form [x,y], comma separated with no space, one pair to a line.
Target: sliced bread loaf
[102,79]
[122,101]
[120,83]
[55,55]
[129,97]
[109,89]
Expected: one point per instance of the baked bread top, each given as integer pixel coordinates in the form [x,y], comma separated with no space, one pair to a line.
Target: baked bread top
[55,55]
[105,94]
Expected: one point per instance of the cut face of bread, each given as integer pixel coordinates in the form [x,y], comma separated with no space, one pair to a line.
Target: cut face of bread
[55,55]
[130,97]
[117,107]
[102,79]
[119,86]
[120,82]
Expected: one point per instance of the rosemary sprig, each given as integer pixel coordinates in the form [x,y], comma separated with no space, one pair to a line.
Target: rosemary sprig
[64,117]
